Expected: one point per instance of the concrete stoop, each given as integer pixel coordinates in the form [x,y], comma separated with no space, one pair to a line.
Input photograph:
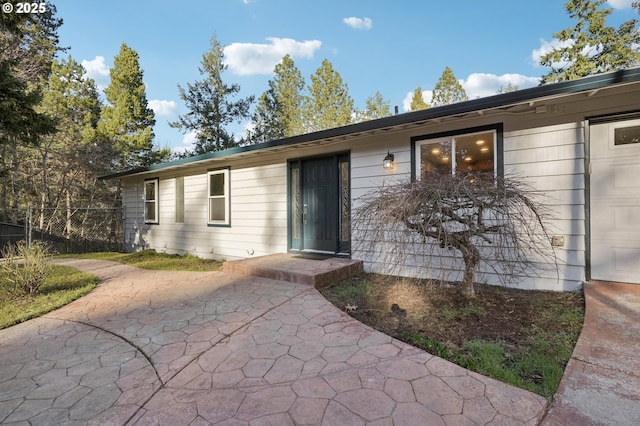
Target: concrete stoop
[316,271]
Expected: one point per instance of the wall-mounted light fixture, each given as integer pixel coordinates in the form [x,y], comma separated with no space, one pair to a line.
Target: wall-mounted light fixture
[387,163]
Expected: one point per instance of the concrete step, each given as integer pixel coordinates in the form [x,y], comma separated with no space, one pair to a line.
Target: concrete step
[316,271]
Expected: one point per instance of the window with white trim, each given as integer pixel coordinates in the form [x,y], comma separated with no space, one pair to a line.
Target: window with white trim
[465,152]
[151,201]
[218,194]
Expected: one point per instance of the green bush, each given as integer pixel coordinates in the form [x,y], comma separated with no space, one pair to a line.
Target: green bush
[24,267]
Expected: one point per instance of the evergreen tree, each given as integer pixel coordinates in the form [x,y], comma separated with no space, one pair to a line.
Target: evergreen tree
[209,104]
[448,90]
[417,101]
[127,121]
[278,112]
[28,44]
[375,107]
[328,103]
[265,123]
[590,47]
[71,159]
[510,88]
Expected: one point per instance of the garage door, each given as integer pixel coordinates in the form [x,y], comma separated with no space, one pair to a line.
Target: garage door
[615,201]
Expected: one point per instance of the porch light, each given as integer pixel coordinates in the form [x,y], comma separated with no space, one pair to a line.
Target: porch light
[387,163]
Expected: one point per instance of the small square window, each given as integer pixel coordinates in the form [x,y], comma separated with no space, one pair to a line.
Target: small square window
[218,194]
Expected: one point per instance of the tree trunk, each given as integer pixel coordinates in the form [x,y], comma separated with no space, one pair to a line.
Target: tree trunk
[471,258]
[15,187]
[67,226]
[4,173]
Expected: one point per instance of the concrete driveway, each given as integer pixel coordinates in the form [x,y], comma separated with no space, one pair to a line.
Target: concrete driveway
[601,384]
[199,348]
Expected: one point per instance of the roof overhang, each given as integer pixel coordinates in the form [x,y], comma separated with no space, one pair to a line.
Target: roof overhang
[529,97]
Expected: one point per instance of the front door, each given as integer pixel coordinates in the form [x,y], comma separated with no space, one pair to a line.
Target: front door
[615,201]
[319,212]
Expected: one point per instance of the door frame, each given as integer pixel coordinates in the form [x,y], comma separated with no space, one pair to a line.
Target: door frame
[295,191]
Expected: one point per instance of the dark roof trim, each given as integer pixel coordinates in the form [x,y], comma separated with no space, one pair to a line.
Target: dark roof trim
[526,95]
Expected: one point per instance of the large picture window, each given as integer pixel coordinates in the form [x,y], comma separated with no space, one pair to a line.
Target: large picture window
[475,151]
[151,201]
[218,190]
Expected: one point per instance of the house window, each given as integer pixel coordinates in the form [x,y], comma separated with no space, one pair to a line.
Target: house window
[218,182]
[626,135]
[151,201]
[445,154]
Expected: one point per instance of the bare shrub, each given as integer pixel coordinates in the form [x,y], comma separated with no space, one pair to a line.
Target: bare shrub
[24,267]
[426,227]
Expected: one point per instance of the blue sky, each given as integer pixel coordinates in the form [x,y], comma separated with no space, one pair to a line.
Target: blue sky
[392,46]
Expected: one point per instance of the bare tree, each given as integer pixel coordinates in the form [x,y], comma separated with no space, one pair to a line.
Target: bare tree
[424,228]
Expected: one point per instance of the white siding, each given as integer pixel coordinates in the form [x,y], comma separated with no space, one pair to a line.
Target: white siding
[258,215]
[544,146]
[549,158]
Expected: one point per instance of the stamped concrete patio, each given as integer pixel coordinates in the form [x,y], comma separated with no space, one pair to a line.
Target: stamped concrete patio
[188,348]
[601,384]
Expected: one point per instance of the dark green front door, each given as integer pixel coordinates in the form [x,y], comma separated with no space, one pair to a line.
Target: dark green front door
[319,204]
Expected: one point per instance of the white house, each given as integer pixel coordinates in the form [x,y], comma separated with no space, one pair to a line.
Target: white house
[579,141]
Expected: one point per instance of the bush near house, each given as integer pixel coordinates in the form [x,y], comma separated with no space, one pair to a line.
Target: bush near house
[481,219]
[24,267]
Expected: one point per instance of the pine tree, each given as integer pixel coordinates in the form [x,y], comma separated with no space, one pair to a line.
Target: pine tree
[70,160]
[376,106]
[127,121]
[266,125]
[590,47]
[328,103]
[209,104]
[417,101]
[278,112]
[28,44]
[448,90]
[510,88]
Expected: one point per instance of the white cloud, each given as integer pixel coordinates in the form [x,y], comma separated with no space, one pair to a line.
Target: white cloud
[190,138]
[620,4]
[548,46]
[188,143]
[97,70]
[479,85]
[162,107]
[257,58]
[358,23]
[427,95]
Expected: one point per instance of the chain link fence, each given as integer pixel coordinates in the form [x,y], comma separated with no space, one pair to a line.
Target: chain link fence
[77,229]
[11,234]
